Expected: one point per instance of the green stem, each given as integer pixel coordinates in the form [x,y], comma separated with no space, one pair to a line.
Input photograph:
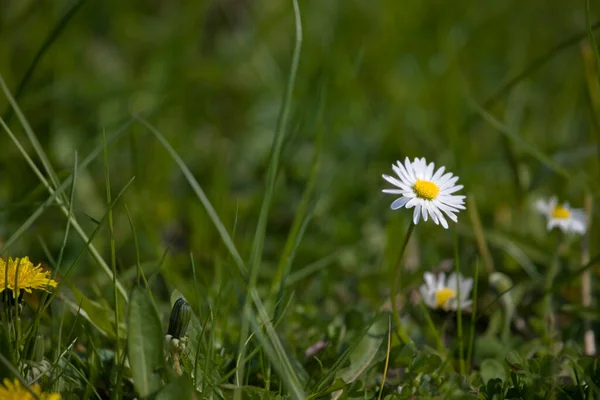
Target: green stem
[473,314]
[552,272]
[461,360]
[395,285]
[431,326]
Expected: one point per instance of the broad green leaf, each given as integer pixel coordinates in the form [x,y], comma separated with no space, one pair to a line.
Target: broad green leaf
[103,318]
[145,344]
[364,353]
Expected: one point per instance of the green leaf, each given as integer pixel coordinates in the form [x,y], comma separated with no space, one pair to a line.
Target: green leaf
[145,344]
[425,363]
[181,388]
[101,317]
[492,369]
[405,355]
[364,353]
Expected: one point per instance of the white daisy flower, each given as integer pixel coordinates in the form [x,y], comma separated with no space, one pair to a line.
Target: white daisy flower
[428,193]
[439,293]
[563,216]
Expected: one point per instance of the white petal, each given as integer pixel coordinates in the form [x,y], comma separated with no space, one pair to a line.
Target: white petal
[413,202]
[430,280]
[465,304]
[424,293]
[442,219]
[448,184]
[392,180]
[401,172]
[452,189]
[418,168]
[424,211]
[431,208]
[444,179]
[438,174]
[399,203]
[466,285]
[448,211]
[429,172]
[452,282]
[542,206]
[416,214]
[409,169]
[441,282]
[393,191]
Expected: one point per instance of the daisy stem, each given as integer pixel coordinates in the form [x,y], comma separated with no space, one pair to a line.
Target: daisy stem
[396,284]
[461,361]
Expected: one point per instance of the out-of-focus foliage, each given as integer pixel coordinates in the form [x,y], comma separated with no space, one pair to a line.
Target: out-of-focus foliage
[377,81]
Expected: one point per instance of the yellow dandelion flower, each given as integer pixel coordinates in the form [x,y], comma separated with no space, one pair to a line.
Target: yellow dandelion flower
[14,391]
[27,278]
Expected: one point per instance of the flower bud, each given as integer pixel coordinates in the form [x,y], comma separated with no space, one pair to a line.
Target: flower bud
[179,319]
[36,353]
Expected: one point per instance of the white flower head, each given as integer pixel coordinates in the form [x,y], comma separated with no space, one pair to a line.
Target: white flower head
[562,216]
[428,192]
[437,292]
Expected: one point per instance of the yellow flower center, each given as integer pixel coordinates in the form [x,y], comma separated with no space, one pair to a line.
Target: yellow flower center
[426,190]
[561,213]
[443,295]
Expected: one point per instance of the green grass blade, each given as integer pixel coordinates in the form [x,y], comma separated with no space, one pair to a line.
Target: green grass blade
[95,254]
[259,235]
[33,217]
[88,242]
[517,139]
[473,314]
[9,366]
[113,254]
[274,349]
[50,39]
[280,356]
[31,135]
[536,65]
[302,216]
[200,194]
[590,32]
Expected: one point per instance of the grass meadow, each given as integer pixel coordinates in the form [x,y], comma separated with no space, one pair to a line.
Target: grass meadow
[192,205]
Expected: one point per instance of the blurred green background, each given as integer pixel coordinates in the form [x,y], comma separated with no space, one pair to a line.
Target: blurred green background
[377,80]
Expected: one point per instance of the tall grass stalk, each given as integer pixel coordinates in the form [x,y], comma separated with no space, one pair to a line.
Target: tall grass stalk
[436,334]
[589,339]
[259,235]
[387,359]
[113,254]
[62,204]
[459,327]
[473,314]
[289,377]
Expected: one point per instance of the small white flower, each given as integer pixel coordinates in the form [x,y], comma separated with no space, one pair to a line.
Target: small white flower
[562,216]
[428,193]
[439,293]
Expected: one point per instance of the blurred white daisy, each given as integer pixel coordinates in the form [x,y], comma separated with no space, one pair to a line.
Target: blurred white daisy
[437,292]
[430,194]
[562,216]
